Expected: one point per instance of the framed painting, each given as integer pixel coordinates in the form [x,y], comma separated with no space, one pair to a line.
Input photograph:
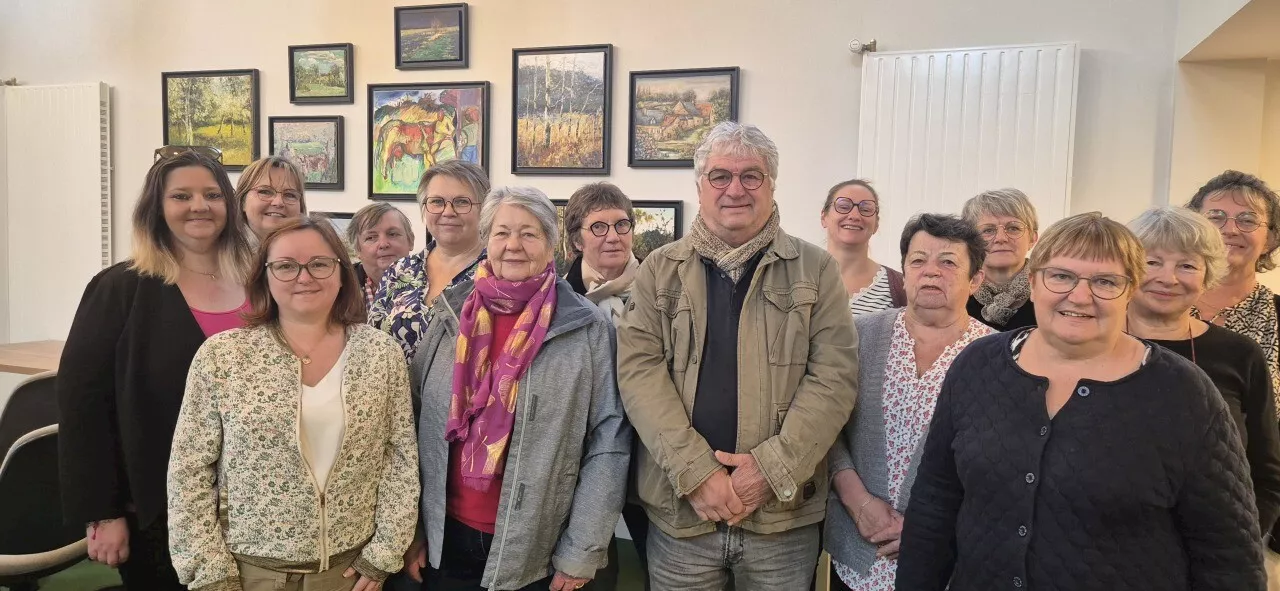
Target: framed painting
[564,253]
[321,73]
[413,126]
[656,223]
[431,36]
[560,110]
[339,219]
[217,108]
[671,111]
[314,144]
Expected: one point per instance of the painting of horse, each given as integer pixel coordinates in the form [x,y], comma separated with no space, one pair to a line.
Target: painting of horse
[414,126]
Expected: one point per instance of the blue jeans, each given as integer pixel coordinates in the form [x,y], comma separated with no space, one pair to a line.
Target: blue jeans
[756,562]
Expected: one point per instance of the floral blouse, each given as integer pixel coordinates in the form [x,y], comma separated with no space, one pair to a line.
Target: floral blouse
[1255,317]
[399,308]
[909,400]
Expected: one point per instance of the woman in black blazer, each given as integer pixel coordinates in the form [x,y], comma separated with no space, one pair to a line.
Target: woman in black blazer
[124,367]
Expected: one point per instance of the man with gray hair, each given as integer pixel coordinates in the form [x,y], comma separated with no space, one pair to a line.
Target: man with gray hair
[737,361]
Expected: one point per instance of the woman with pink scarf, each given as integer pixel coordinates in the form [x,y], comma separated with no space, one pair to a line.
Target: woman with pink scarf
[522,440]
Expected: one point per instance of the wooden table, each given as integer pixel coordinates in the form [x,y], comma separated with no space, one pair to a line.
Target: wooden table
[30,358]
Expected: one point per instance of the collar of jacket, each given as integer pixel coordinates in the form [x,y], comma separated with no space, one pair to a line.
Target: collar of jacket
[782,247]
[572,310]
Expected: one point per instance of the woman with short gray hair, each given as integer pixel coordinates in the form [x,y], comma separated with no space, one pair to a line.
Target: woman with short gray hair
[1185,256]
[380,234]
[1007,221]
[519,401]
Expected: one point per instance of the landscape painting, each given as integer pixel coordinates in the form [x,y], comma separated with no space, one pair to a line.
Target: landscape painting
[671,111]
[656,223]
[431,36]
[314,144]
[564,252]
[413,126]
[561,110]
[321,73]
[217,108]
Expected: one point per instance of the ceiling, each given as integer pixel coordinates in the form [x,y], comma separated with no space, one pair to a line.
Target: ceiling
[1252,33]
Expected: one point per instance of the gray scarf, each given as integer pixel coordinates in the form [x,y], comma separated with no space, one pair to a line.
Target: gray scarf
[1001,302]
[728,259]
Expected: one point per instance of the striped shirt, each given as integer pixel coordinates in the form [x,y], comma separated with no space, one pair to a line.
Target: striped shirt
[874,297]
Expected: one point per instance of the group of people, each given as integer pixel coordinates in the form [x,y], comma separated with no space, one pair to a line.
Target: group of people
[243,406]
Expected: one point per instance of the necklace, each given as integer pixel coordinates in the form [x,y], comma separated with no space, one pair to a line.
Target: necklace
[213,276]
[305,356]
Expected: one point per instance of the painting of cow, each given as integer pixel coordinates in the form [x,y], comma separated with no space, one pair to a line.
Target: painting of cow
[314,144]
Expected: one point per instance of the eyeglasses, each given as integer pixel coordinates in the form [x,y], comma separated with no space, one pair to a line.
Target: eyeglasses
[290,270]
[866,208]
[620,226]
[1104,286]
[1013,230]
[1245,222]
[173,151]
[721,179]
[268,194]
[437,204]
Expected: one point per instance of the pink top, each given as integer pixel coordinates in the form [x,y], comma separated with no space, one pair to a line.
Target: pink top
[213,323]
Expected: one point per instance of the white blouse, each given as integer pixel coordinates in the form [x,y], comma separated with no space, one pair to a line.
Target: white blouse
[323,421]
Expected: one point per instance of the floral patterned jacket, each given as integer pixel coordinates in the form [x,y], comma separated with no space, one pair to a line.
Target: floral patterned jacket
[239,487]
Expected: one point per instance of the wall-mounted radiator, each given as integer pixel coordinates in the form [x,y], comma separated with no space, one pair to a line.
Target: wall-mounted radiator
[57,194]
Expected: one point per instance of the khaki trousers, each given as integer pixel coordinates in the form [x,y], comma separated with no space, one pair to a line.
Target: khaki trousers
[254,578]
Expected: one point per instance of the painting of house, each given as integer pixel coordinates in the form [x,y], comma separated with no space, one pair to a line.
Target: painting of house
[672,110]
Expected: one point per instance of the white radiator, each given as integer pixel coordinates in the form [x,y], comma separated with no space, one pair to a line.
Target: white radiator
[58,189]
[936,128]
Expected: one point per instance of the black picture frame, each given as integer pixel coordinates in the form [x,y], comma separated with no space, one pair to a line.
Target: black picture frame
[307,161]
[606,98]
[642,250]
[340,221]
[406,13]
[348,61]
[679,117]
[376,129]
[229,155]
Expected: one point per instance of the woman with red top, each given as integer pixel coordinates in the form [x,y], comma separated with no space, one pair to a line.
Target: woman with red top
[523,446]
[125,363]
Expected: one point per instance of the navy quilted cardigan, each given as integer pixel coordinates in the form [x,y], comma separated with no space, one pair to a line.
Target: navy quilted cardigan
[1136,484]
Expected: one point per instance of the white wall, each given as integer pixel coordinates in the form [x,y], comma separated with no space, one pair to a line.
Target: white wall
[1197,19]
[1270,159]
[4,223]
[799,83]
[1218,122]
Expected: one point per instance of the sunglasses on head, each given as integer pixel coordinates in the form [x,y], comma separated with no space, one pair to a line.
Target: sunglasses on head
[166,152]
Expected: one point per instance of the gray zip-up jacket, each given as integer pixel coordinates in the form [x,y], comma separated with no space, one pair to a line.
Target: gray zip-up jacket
[565,479]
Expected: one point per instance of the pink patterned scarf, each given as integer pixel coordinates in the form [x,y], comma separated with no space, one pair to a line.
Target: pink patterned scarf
[483,408]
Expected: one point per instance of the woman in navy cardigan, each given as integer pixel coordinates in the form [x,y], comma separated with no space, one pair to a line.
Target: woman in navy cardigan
[124,366]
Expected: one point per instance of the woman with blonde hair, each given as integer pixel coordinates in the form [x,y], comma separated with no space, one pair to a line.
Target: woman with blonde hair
[271,191]
[1007,221]
[1071,455]
[297,467]
[1186,257]
[125,362]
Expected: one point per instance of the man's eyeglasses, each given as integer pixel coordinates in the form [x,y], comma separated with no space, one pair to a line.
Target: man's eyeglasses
[268,194]
[866,208]
[166,152]
[1245,222]
[721,179]
[1013,230]
[290,270]
[1105,286]
[437,204]
[621,227]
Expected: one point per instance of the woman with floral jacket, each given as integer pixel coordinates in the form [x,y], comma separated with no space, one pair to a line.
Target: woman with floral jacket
[295,464]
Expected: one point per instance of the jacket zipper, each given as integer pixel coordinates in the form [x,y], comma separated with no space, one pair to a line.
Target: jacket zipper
[315,485]
[506,519]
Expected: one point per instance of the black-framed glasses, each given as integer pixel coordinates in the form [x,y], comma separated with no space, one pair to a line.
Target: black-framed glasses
[172,151]
[268,194]
[437,204]
[1104,286]
[1014,230]
[1246,221]
[866,208]
[622,226]
[721,178]
[290,270]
